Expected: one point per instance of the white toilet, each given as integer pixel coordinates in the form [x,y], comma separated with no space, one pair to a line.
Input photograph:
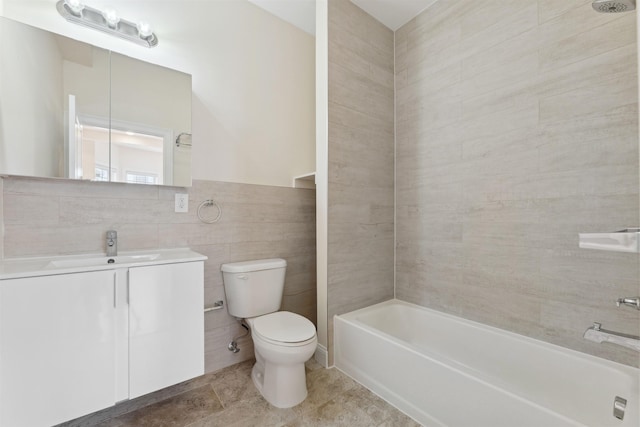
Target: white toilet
[283,341]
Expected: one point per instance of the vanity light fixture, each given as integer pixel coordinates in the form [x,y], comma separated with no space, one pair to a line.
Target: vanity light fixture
[112,18]
[75,6]
[107,21]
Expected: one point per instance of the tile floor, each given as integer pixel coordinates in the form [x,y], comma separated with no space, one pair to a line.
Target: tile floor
[229,398]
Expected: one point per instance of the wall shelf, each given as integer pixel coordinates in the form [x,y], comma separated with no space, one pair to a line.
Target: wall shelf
[627,240]
[305,181]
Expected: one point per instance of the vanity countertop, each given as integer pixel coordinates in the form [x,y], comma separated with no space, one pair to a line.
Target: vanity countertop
[15,268]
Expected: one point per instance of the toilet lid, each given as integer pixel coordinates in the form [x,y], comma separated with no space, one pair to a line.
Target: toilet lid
[284,326]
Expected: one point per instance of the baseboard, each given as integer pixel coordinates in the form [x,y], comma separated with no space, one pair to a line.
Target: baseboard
[321,355]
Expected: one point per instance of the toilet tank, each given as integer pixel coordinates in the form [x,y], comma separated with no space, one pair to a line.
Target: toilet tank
[254,288]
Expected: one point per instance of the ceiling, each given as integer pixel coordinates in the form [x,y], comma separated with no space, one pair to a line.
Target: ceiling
[393,13]
[302,13]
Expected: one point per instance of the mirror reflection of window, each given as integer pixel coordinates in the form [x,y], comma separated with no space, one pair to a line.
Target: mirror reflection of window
[134,157]
[101,173]
[141,178]
[138,156]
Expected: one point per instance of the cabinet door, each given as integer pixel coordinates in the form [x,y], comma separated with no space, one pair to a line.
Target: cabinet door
[56,347]
[166,325]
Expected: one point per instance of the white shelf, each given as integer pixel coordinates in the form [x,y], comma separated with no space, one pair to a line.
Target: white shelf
[621,241]
[305,181]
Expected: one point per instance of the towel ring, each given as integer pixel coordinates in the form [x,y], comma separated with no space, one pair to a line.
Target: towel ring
[206,220]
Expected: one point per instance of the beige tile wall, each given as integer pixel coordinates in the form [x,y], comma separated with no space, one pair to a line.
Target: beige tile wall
[517,128]
[55,217]
[361,161]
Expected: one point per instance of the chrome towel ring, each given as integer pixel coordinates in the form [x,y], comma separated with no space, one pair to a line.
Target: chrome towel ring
[209,220]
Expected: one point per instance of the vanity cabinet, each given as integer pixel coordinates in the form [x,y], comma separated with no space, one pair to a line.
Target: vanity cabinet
[57,340]
[166,326]
[72,344]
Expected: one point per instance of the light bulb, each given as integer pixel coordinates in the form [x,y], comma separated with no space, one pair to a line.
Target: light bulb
[76,6]
[144,29]
[111,16]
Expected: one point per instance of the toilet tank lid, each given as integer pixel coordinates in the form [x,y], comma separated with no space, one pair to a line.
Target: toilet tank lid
[257,265]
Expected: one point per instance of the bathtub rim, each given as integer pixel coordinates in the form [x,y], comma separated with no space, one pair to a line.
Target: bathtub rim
[352,318]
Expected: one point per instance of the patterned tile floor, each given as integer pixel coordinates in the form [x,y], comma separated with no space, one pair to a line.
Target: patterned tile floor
[229,398]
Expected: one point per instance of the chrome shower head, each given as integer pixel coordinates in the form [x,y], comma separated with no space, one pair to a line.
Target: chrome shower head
[613,6]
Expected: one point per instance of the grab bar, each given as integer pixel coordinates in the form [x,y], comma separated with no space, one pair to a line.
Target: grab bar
[216,306]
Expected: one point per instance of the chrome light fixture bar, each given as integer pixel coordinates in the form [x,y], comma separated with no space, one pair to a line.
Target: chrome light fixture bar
[107,21]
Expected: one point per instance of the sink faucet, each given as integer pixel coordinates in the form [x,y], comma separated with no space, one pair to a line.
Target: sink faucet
[631,302]
[112,243]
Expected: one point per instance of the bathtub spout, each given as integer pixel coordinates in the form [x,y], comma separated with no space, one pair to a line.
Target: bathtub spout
[596,334]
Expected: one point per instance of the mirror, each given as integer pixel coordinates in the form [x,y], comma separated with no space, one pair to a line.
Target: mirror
[71,110]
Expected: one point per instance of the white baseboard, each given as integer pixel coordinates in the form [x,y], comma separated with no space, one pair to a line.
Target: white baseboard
[321,355]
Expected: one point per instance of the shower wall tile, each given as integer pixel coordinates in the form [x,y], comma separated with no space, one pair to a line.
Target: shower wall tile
[530,139]
[598,39]
[502,31]
[361,160]
[549,9]
[501,56]
[573,22]
[59,217]
[478,19]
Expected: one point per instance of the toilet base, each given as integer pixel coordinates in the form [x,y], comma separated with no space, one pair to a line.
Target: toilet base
[283,386]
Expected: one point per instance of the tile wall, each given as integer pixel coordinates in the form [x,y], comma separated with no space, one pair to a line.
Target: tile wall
[56,217]
[516,129]
[360,216]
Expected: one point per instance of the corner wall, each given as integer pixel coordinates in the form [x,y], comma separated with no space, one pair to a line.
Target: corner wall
[360,163]
[517,129]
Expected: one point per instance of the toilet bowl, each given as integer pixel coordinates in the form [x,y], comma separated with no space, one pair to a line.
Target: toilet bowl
[281,351]
[282,341]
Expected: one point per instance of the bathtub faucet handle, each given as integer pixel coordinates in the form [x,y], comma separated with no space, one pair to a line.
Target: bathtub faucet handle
[631,302]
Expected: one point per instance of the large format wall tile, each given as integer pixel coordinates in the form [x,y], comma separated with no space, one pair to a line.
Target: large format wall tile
[60,217]
[513,136]
[361,161]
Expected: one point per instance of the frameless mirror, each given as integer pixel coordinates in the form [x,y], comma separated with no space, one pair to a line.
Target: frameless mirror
[71,110]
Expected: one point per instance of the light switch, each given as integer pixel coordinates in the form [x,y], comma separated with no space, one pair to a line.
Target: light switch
[182,202]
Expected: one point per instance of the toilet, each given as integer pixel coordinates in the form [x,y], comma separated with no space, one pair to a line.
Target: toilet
[283,341]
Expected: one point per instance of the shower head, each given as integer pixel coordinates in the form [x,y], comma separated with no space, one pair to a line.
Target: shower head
[613,6]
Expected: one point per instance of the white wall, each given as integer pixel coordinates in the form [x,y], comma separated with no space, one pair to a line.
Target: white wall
[253,80]
[322,166]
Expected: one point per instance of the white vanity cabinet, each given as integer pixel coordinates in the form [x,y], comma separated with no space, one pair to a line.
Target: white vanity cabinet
[76,342]
[166,326]
[57,340]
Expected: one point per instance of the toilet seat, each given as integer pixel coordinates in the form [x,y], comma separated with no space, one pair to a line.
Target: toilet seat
[283,328]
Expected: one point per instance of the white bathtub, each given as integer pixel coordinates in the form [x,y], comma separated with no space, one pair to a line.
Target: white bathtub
[446,371]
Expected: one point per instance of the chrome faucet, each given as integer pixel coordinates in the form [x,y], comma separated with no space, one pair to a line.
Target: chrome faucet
[631,302]
[599,335]
[112,243]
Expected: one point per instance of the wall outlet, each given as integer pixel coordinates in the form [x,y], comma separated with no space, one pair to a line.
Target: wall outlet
[182,202]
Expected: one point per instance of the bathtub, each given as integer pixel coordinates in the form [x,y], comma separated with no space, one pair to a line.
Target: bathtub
[446,371]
